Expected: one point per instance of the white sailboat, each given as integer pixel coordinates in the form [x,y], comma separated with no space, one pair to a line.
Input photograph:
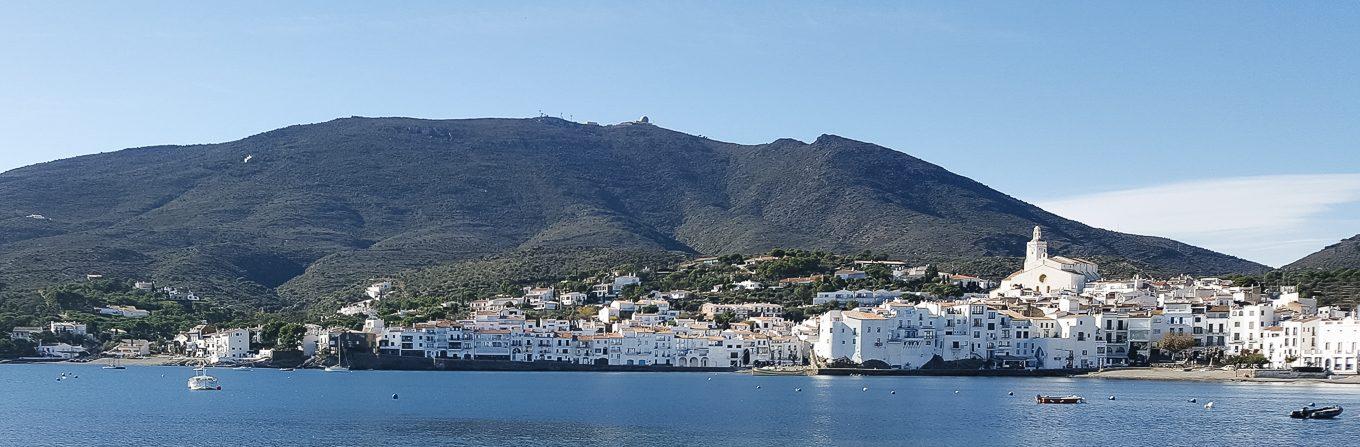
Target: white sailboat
[201,381]
[339,365]
[204,382]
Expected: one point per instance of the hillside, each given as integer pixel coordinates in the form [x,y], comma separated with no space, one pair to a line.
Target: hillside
[1341,255]
[324,207]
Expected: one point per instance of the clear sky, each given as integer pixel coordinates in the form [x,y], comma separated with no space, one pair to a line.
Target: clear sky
[1230,125]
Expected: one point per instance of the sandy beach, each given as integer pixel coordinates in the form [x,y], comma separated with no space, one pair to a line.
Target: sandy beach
[155,360]
[1206,374]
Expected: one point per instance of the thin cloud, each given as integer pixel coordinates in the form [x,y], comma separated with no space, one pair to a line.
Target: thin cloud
[1271,219]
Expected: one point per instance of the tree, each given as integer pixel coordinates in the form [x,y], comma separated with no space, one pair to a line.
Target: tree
[878,271]
[724,319]
[932,273]
[290,336]
[15,348]
[1176,343]
[1250,359]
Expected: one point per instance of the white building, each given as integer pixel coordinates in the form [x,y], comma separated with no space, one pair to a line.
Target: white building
[29,333]
[378,290]
[131,348]
[849,274]
[60,350]
[1044,275]
[226,345]
[123,311]
[862,297]
[71,328]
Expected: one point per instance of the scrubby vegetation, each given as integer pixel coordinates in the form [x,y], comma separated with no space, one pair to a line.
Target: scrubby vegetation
[322,207]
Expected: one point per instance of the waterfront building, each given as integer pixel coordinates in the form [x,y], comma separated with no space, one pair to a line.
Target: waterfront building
[60,350]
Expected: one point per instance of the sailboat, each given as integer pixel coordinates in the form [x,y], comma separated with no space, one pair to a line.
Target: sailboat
[115,364]
[339,365]
[202,381]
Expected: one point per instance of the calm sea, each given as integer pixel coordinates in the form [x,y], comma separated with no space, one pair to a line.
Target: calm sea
[151,406]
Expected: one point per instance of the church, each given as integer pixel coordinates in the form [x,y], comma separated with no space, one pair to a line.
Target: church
[1044,275]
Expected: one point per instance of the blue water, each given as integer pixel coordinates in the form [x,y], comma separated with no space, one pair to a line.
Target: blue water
[151,406]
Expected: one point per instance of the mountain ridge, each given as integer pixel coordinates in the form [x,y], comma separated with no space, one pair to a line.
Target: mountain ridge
[331,203]
[1344,254]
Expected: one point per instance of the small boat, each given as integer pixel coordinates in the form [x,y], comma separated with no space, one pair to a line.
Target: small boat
[286,369]
[1316,413]
[336,368]
[204,382]
[1072,399]
[242,368]
[114,365]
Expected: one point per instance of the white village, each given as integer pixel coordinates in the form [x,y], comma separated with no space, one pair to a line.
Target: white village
[1056,313]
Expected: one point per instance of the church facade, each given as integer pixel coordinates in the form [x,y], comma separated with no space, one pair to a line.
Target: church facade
[1045,275]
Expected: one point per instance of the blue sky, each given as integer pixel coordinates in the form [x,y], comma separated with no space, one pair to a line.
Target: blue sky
[1208,122]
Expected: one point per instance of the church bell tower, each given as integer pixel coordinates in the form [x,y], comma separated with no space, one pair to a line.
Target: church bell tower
[1036,250]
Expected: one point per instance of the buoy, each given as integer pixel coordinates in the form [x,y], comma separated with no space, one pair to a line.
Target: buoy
[1111,397]
[892,392]
[1209,406]
[394,396]
[1193,400]
[798,390]
[864,389]
[219,388]
[710,378]
[757,386]
[1012,393]
[956,391]
[1312,404]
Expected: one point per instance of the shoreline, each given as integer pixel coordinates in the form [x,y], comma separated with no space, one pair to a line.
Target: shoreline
[1209,375]
[1156,374]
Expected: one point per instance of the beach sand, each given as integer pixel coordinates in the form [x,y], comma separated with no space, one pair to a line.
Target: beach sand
[156,360]
[1206,374]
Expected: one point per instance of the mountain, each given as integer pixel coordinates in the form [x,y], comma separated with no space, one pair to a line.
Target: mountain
[309,209]
[1341,255]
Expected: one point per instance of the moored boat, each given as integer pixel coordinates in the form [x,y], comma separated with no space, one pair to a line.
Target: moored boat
[1072,399]
[1316,413]
[204,382]
[339,365]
